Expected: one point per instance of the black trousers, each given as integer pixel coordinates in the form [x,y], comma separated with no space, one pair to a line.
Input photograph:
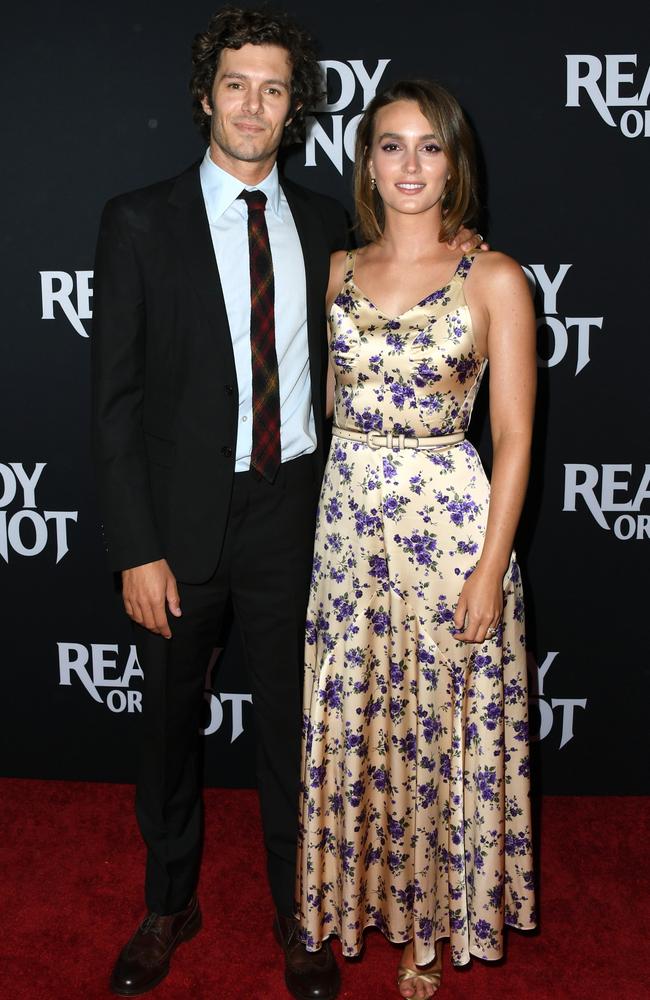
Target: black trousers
[264,570]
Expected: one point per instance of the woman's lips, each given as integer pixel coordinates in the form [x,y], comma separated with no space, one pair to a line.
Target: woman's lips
[410,187]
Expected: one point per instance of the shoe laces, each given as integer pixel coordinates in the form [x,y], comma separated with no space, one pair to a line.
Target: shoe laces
[153,924]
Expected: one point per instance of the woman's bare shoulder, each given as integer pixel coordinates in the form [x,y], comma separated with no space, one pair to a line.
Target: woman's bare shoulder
[337,261]
[497,279]
[494,266]
[337,274]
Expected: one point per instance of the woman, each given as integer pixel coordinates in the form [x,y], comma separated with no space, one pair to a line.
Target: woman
[415,811]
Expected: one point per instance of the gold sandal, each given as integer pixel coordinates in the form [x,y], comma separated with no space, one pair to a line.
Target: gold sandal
[430,974]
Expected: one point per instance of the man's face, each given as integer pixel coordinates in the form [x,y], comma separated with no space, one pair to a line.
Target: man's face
[250,102]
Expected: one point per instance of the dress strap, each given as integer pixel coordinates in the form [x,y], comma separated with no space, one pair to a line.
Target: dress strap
[349,266]
[464,265]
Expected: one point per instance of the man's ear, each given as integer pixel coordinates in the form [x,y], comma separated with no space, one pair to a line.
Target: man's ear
[205,104]
[294,112]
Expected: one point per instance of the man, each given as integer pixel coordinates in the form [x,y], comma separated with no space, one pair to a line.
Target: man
[209,361]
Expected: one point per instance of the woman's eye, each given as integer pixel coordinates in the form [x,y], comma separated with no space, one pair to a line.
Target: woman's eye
[431,147]
[389,147]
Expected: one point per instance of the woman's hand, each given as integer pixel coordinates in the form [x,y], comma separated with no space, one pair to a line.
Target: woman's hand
[479,606]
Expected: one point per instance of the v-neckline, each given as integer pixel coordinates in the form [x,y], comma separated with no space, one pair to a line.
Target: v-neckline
[422,302]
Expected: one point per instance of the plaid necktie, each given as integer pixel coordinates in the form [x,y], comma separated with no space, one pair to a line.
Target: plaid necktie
[265,454]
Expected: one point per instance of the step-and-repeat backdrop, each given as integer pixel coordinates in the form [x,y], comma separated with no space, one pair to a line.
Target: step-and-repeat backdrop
[96,102]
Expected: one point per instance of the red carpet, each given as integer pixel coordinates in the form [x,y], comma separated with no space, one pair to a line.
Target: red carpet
[71,867]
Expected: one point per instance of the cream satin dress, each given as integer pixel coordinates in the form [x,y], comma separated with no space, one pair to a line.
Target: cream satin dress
[415,814]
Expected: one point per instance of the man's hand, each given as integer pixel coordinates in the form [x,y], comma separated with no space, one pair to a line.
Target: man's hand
[468,239]
[145,589]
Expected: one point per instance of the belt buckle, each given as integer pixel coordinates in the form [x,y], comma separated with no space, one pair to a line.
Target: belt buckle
[372,438]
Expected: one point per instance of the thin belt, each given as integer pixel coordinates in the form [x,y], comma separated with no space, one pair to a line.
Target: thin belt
[397,441]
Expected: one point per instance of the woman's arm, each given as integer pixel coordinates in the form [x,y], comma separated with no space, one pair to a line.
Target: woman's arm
[503,292]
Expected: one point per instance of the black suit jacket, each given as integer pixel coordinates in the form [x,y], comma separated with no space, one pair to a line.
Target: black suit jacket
[165,399]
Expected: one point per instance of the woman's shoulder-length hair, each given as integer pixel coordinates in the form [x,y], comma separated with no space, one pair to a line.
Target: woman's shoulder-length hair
[460,202]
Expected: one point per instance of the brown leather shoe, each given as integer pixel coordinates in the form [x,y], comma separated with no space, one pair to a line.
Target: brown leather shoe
[144,961]
[308,975]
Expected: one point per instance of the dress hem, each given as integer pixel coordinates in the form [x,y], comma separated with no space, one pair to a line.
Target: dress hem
[473,953]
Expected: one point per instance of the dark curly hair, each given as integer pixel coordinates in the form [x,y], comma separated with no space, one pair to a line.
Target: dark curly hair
[233,27]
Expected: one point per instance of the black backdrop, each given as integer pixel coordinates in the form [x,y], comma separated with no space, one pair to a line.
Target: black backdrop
[96,102]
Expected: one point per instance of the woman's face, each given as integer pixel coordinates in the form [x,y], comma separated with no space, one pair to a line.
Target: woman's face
[408,165]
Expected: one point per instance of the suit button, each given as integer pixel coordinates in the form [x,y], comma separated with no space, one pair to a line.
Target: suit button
[226,451]
[228,390]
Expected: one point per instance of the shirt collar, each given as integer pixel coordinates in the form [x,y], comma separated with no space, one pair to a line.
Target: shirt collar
[221,189]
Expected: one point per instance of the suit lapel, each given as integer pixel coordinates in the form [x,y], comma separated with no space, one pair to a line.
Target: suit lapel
[191,230]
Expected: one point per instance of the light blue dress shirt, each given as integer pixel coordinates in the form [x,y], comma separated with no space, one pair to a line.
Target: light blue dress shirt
[228,218]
